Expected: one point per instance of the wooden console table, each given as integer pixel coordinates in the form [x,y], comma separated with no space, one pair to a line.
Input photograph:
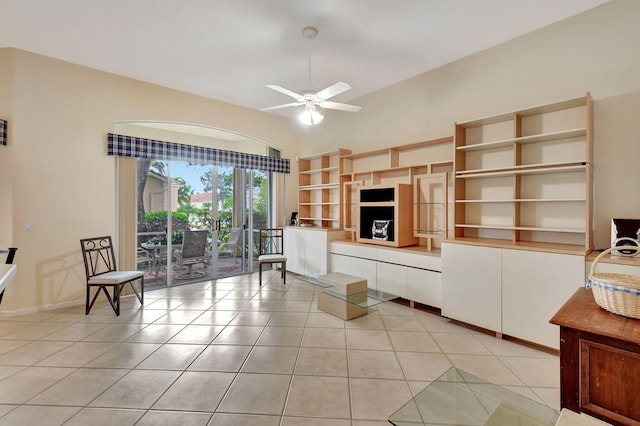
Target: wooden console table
[599,361]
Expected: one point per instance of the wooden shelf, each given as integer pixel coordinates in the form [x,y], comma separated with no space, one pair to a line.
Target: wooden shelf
[379,204]
[400,148]
[320,204]
[325,169]
[319,195]
[398,211]
[527,200]
[565,134]
[397,165]
[537,110]
[521,170]
[527,166]
[319,186]
[520,228]
[522,245]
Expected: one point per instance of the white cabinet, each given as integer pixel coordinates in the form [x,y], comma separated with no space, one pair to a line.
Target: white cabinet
[365,268]
[535,285]
[471,285]
[306,249]
[294,250]
[424,286]
[407,273]
[509,291]
[340,263]
[392,279]
[358,267]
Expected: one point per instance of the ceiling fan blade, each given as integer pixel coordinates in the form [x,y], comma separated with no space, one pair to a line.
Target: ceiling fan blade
[292,104]
[333,90]
[287,92]
[339,106]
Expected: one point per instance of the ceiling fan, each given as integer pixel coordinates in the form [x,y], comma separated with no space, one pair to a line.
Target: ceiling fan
[312,99]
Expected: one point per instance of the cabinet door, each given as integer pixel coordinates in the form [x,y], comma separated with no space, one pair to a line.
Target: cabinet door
[367,269]
[294,250]
[534,286]
[471,285]
[316,246]
[339,263]
[392,279]
[424,287]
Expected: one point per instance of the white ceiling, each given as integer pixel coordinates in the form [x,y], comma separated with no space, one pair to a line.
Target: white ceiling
[230,49]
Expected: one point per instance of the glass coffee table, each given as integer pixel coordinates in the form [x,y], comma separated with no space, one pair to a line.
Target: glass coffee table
[459,398]
[364,299]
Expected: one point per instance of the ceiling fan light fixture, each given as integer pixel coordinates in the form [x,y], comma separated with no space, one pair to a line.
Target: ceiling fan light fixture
[310,116]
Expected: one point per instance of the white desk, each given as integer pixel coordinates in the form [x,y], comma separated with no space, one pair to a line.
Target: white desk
[6,274]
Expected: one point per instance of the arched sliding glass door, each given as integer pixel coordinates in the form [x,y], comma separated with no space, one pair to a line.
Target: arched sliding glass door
[198,208]
[226,207]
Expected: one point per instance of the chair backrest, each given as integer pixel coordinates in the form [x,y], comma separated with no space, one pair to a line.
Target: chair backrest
[194,243]
[271,241]
[11,252]
[98,255]
[233,245]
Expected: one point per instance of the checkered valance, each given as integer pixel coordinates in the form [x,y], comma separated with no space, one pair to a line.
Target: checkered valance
[129,146]
[3,132]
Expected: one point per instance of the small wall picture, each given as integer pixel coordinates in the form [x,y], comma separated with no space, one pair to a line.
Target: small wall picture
[294,218]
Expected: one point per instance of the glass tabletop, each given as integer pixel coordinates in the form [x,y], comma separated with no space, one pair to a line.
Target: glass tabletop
[459,398]
[364,299]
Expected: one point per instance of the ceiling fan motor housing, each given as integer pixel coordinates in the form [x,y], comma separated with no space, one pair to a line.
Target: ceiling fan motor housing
[309,32]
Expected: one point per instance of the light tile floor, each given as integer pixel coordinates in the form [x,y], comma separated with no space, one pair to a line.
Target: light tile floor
[233,353]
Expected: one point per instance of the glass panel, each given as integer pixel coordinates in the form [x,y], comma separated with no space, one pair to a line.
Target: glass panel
[230,241]
[152,219]
[258,211]
[429,197]
[189,256]
[187,191]
[459,398]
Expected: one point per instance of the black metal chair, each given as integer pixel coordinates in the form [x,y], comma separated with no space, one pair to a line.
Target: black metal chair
[272,251]
[100,268]
[10,252]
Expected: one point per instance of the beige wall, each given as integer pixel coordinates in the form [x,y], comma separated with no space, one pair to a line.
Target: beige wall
[6,165]
[59,177]
[595,51]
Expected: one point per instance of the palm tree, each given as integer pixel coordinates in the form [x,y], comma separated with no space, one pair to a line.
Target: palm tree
[143,171]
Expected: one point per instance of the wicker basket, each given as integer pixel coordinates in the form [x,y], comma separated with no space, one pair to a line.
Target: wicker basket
[617,293]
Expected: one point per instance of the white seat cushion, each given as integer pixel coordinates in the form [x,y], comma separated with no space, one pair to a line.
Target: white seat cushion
[115,277]
[272,258]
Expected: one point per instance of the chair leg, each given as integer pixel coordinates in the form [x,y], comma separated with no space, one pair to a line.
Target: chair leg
[284,273]
[114,300]
[139,294]
[89,305]
[86,306]
[116,297]
[260,274]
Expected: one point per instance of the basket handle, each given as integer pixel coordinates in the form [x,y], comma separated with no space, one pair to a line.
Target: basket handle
[607,251]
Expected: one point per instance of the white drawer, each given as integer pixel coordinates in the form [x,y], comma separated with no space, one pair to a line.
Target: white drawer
[353,250]
[406,258]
